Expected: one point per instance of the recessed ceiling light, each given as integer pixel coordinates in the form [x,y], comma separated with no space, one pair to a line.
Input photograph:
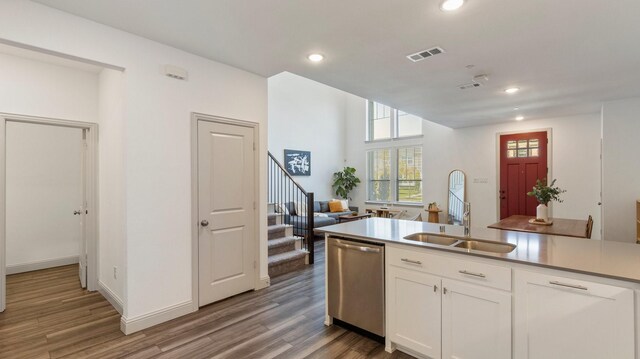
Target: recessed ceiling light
[516,108]
[451,5]
[519,118]
[316,57]
[511,90]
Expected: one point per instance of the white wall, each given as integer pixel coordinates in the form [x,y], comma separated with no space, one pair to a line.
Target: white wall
[307,115]
[621,168]
[35,88]
[112,216]
[575,162]
[157,168]
[44,187]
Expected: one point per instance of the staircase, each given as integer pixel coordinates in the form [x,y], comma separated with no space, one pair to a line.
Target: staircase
[284,253]
[291,237]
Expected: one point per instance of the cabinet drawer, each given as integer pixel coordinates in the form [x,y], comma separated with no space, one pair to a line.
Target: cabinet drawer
[488,275]
[484,274]
[416,260]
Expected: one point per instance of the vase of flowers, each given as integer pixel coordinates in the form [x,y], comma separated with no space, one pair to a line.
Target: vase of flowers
[544,194]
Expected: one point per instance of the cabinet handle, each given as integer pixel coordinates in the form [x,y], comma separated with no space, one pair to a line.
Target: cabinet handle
[444,290]
[479,275]
[435,288]
[574,286]
[406,260]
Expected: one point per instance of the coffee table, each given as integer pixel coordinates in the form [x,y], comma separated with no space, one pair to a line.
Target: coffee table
[353,217]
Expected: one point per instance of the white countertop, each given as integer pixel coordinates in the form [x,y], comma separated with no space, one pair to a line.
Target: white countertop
[609,259]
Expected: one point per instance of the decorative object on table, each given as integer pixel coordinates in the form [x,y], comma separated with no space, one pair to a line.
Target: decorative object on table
[345,181]
[434,212]
[544,194]
[298,163]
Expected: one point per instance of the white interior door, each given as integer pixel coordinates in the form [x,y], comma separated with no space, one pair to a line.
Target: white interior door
[82,256]
[226,186]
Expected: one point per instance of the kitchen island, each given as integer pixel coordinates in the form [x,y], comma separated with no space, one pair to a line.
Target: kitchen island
[535,296]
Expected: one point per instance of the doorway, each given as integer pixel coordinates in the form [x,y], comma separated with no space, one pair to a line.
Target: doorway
[523,160]
[80,219]
[226,225]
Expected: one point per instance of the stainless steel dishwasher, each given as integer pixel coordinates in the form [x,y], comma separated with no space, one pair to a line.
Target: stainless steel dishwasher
[355,283]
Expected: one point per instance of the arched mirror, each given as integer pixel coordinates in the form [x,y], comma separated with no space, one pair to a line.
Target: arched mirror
[457,195]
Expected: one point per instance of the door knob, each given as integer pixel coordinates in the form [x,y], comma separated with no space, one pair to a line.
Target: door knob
[503,197]
[204,223]
[76,213]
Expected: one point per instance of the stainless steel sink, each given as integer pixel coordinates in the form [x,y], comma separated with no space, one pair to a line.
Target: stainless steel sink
[431,238]
[492,247]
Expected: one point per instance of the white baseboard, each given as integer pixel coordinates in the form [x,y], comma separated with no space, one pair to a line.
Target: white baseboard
[263,282]
[136,324]
[38,265]
[110,296]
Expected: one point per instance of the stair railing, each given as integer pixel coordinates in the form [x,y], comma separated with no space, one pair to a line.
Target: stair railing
[288,197]
[456,208]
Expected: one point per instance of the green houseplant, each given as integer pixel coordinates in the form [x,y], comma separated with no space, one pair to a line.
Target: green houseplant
[344,181]
[544,194]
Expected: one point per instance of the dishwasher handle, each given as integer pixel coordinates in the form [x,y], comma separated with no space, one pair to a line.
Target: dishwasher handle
[357,248]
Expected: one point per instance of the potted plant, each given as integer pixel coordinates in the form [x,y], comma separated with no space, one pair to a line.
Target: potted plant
[344,181]
[544,194]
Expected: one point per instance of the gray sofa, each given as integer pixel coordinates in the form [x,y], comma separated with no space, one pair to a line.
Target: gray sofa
[300,222]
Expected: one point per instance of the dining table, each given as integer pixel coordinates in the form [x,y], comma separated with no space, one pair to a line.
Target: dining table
[559,226]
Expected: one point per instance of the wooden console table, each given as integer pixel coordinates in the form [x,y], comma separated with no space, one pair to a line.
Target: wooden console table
[560,227]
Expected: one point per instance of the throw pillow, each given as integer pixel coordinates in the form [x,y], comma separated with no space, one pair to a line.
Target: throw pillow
[345,203]
[301,208]
[335,206]
[324,206]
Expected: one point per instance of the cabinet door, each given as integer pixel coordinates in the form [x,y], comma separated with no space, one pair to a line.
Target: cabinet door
[564,318]
[476,322]
[413,310]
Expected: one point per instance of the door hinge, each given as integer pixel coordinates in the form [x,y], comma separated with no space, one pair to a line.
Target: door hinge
[254,146]
[255,265]
[254,205]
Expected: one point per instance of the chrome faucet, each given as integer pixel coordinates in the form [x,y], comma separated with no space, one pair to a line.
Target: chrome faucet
[466,219]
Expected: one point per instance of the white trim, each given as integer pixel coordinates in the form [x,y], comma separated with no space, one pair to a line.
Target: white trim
[396,204]
[136,324]
[110,296]
[43,264]
[263,282]
[91,219]
[549,132]
[259,283]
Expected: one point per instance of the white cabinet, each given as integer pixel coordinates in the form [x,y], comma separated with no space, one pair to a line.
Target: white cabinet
[476,322]
[438,317]
[413,310]
[558,317]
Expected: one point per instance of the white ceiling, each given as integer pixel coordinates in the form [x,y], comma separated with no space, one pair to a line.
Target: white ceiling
[567,56]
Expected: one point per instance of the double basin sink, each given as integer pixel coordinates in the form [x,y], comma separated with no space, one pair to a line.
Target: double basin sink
[468,244]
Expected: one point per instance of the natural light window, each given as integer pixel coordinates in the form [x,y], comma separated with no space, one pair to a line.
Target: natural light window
[523,148]
[386,123]
[395,175]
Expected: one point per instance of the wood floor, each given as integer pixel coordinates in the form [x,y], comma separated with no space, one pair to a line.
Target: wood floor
[49,316]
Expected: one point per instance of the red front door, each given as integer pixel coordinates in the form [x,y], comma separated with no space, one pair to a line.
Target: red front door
[523,160]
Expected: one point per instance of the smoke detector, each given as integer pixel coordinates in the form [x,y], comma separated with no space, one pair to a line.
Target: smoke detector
[421,55]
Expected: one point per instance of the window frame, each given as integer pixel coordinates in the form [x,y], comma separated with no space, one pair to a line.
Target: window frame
[394,175]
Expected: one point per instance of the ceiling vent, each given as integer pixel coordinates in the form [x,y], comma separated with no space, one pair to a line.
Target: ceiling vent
[176,72]
[421,55]
[476,82]
[469,85]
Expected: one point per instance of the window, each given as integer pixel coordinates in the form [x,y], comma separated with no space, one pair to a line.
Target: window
[523,148]
[379,175]
[395,175]
[386,123]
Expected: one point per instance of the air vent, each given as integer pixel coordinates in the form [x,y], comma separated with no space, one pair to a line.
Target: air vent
[421,55]
[469,86]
